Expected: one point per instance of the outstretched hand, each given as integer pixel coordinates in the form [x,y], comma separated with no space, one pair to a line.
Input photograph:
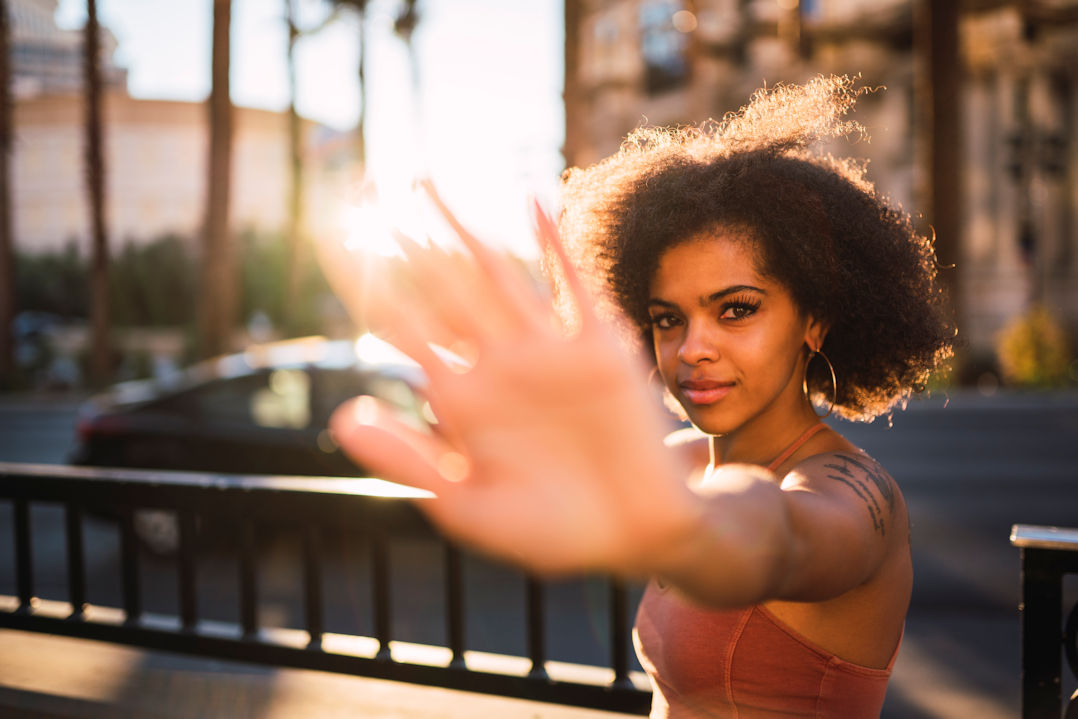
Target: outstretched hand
[548,448]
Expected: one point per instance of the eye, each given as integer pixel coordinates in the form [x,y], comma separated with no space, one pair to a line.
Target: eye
[665,321]
[739,309]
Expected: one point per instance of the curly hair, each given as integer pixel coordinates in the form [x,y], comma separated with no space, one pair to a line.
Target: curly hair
[821,229]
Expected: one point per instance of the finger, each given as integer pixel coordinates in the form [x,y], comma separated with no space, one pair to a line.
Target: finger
[358,279]
[368,433]
[407,325]
[451,290]
[550,242]
[371,291]
[509,284]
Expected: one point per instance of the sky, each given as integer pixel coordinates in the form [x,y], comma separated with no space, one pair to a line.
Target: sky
[491,120]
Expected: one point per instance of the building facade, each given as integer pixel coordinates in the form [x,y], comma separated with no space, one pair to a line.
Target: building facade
[1016,108]
[156,155]
[46,59]
[156,152]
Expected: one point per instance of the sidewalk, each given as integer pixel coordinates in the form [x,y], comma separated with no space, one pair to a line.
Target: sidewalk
[44,676]
[949,668]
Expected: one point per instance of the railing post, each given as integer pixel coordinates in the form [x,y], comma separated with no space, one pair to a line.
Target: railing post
[129,570]
[24,566]
[619,634]
[1042,601]
[1047,553]
[454,597]
[248,581]
[186,559]
[381,595]
[312,582]
[536,629]
[76,568]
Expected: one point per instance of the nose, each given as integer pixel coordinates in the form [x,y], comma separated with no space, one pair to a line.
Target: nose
[698,345]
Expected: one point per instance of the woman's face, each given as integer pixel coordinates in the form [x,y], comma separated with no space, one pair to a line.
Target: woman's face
[728,341]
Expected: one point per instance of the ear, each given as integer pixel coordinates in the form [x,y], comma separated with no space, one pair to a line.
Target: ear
[815,332]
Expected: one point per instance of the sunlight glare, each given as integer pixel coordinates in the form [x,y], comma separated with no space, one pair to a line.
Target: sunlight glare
[376,351]
[369,229]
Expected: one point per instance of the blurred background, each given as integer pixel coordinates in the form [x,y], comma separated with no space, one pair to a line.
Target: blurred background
[165,166]
[161,192]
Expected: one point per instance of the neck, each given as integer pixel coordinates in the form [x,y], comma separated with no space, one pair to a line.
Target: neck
[764,438]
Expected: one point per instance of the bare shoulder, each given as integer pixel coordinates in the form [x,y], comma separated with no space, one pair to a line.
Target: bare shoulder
[854,477]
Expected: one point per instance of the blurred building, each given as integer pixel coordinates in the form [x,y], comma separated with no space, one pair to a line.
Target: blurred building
[1016,105]
[47,59]
[155,151]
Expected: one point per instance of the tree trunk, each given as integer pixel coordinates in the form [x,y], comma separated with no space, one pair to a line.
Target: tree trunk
[7,238]
[217,296]
[361,138]
[100,353]
[295,195]
[575,110]
[939,92]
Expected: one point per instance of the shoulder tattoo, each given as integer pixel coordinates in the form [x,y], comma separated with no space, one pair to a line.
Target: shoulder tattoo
[869,482]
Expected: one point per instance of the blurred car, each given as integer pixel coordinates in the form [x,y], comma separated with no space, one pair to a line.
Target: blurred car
[262,411]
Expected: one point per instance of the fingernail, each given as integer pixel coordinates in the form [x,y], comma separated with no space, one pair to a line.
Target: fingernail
[365,411]
[453,466]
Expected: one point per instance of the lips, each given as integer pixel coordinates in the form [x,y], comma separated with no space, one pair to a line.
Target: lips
[704,391]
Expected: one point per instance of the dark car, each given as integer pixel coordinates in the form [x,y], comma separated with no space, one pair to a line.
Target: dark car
[263,411]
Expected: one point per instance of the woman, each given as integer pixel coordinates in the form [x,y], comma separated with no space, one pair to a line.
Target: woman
[763,278]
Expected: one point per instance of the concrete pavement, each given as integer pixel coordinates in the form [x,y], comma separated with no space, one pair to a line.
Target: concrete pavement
[54,677]
[939,675]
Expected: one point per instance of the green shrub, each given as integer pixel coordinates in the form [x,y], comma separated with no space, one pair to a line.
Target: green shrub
[154,284]
[1033,350]
[55,282]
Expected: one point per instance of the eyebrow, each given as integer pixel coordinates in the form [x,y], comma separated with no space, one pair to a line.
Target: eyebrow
[713,297]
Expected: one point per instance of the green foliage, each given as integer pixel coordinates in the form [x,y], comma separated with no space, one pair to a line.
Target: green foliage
[264,285]
[154,285]
[1033,350]
[55,282]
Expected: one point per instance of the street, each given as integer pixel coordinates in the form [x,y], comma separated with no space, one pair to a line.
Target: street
[970,467]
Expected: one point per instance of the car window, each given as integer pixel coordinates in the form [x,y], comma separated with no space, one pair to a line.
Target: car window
[281,398]
[335,386]
[285,401]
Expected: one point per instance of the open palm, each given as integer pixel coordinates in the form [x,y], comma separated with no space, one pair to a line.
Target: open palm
[548,449]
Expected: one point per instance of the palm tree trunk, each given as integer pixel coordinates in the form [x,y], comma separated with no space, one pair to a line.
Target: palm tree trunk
[939,92]
[95,182]
[361,138]
[295,195]
[7,239]
[217,297]
[572,96]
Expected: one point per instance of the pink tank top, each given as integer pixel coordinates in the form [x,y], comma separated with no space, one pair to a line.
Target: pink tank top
[745,664]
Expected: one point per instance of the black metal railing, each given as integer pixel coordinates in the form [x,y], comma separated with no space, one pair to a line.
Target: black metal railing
[1048,554]
[382,513]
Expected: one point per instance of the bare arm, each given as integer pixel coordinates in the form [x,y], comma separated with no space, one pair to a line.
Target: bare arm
[820,533]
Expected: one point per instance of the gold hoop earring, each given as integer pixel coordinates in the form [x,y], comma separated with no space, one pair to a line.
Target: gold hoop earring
[834,382]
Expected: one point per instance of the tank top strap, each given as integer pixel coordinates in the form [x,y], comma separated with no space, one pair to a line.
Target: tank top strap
[795,445]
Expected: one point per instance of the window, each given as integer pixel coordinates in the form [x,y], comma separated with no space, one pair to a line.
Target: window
[664,44]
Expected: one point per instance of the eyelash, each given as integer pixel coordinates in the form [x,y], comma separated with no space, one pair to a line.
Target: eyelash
[742,307]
